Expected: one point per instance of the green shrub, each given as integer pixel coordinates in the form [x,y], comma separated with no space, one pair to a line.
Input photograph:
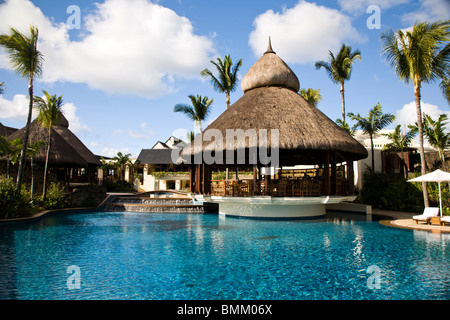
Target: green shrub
[390,192]
[120,185]
[14,204]
[56,198]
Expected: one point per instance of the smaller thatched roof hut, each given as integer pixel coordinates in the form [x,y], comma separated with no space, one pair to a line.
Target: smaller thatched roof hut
[66,148]
[6,131]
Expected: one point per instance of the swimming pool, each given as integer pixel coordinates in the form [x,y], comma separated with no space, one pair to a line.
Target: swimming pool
[118,255]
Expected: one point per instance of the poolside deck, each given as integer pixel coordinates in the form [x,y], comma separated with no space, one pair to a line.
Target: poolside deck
[404,220]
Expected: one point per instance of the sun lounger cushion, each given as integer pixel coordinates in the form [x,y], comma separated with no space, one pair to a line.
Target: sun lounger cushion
[427,213]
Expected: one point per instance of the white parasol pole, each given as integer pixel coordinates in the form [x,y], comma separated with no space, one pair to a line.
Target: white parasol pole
[440,198]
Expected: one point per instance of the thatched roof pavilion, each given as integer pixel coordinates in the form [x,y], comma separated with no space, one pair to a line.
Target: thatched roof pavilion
[66,148]
[306,136]
[271,101]
[70,161]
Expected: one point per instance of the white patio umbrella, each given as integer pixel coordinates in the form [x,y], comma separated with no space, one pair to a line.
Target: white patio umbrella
[435,176]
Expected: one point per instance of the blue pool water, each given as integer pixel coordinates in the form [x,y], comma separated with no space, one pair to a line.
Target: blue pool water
[193,256]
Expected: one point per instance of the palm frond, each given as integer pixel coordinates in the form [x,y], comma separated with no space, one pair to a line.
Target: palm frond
[25,59]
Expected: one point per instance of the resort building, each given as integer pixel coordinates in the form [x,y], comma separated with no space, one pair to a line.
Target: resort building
[71,163]
[385,161]
[272,126]
[158,170]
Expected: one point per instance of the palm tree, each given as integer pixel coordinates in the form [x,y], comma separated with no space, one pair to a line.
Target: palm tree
[199,110]
[311,95]
[345,126]
[190,136]
[121,160]
[372,124]
[399,142]
[227,77]
[434,130]
[419,56]
[27,62]
[7,150]
[445,86]
[50,115]
[339,68]
[2,87]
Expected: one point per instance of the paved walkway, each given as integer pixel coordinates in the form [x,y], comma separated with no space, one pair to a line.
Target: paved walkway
[404,220]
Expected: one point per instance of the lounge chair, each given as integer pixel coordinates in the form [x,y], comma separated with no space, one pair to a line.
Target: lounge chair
[445,219]
[427,214]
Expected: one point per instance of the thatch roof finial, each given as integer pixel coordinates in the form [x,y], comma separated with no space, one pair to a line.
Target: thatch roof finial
[269,48]
[270,71]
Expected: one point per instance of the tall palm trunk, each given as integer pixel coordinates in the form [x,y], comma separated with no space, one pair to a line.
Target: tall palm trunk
[343,101]
[373,153]
[228,98]
[27,133]
[420,127]
[44,192]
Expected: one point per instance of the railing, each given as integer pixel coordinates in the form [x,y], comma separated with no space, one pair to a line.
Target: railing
[275,188]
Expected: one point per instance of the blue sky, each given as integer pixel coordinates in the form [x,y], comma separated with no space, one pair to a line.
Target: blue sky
[130,61]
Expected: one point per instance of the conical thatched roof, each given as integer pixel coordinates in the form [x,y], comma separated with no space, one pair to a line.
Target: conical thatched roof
[269,103]
[6,131]
[270,70]
[66,147]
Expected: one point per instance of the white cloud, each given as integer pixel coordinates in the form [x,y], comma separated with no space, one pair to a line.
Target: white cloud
[15,109]
[116,133]
[295,32]
[146,133]
[360,6]
[429,10]
[112,152]
[407,114]
[70,112]
[129,47]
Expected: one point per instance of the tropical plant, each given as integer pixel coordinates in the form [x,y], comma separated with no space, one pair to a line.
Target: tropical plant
[434,131]
[27,62]
[56,197]
[190,136]
[345,126]
[399,142]
[445,86]
[420,55]
[227,77]
[8,151]
[372,124]
[50,115]
[339,68]
[311,95]
[121,160]
[32,150]
[14,203]
[198,111]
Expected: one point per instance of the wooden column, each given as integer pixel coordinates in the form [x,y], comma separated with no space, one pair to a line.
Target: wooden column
[198,179]
[255,168]
[350,178]
[206,179]
[333,177]
[192,178]
[326,174]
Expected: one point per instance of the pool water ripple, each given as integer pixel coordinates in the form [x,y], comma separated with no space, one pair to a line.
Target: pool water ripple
[190,256]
